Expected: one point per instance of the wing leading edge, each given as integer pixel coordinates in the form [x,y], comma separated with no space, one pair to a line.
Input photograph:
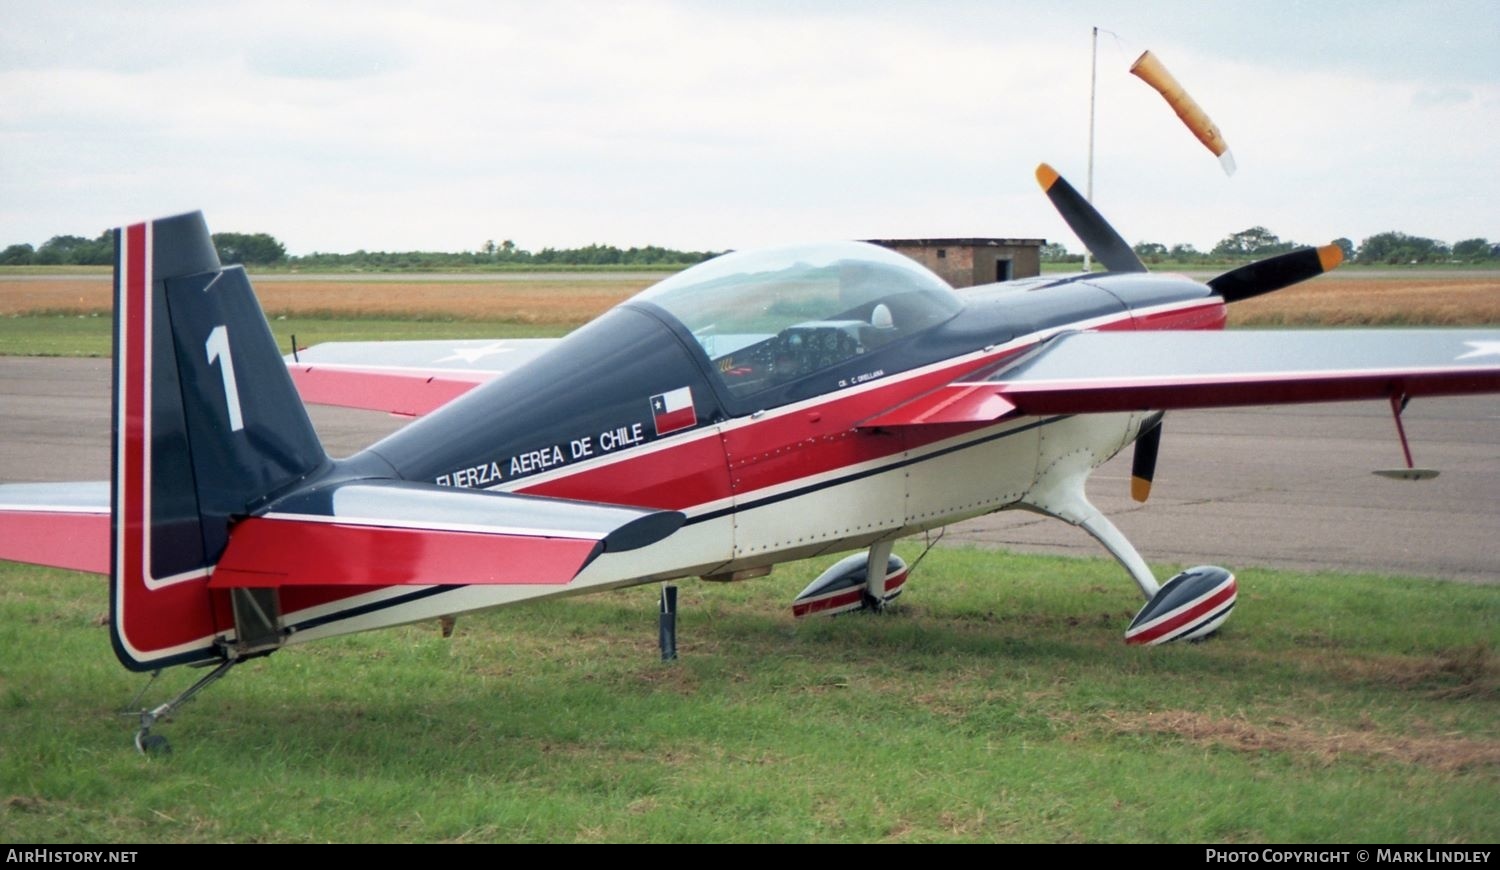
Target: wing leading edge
[1094,372]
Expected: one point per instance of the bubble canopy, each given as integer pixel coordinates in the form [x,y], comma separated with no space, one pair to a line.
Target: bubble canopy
[766,317]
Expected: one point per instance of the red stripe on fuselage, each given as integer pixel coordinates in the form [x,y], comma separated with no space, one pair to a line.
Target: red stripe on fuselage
[807,439]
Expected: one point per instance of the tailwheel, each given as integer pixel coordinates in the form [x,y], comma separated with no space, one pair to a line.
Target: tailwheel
[1190,606]
[147,743]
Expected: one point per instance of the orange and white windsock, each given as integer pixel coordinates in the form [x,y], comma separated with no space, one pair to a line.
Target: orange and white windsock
[1151,71]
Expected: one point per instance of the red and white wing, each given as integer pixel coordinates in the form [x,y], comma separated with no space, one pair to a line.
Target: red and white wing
[1093,372]
[409,378]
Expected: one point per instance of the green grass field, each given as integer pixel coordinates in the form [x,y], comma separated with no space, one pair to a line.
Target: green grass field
[997,703]
[91,336]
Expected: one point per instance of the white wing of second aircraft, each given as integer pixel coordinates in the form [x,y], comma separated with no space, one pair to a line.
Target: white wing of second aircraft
[410,378]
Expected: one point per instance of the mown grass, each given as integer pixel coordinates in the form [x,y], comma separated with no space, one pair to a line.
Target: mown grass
[92,335]
[997,703]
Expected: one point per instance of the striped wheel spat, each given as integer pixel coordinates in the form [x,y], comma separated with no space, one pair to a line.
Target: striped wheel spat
[841,588]
[1190,605]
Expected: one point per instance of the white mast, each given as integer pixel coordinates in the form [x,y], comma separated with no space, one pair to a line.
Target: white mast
[1089,184]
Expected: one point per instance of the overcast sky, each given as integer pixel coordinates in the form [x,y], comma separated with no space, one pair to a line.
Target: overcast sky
[712,125]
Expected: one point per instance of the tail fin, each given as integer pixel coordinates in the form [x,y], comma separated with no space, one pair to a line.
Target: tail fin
[207,424]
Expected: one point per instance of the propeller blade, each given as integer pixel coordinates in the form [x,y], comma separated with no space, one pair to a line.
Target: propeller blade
[1090,226]
[1143,463]
[1274,273]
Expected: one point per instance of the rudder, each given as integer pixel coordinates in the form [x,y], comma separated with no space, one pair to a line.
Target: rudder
[207,424]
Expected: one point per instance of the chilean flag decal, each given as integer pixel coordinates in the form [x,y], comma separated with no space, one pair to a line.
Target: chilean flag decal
[674,410]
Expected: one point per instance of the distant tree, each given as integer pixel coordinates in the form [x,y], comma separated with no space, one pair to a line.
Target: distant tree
[1347,247]
[1150,252]
[1253,242]
[1472,250]
[1184,253]
[1394,248]
[76,251]
[1052,252]
[256,249]
[17,255]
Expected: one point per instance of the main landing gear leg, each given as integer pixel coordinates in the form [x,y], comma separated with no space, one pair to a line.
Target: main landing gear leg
[875,571]
[1190,606]
[155,744]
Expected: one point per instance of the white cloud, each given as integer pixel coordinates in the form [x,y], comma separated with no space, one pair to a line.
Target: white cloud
[340,125]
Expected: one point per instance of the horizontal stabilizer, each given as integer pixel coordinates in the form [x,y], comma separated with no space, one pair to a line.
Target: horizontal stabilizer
[62,525]
[297,551]
[381,533]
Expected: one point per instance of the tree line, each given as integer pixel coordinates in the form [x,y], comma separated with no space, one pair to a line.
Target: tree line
[1390,248]
[262,249]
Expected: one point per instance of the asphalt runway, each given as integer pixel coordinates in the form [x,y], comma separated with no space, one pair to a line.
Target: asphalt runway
[1286,487]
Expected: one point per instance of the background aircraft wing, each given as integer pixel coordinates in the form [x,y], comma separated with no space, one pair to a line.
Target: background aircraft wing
[1089,372]
[410,378]
[64,525]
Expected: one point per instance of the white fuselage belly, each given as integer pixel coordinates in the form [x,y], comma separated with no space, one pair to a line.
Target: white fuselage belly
[976,473]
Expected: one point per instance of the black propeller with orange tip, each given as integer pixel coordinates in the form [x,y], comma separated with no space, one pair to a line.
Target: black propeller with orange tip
[1243,282]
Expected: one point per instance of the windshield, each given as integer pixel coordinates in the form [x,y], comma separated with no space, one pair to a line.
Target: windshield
[768,317]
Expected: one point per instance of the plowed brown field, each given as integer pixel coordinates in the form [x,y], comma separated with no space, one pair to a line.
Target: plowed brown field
[1459,299]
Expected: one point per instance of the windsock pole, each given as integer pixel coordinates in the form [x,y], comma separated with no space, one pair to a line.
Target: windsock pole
[1088,193]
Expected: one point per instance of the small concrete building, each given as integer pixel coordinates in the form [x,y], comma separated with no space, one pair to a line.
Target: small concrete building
[966,262]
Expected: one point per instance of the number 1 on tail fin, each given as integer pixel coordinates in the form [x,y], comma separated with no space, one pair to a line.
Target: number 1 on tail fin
[217,346]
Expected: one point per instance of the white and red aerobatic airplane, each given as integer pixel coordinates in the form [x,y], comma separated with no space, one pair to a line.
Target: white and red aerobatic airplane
[761,407]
